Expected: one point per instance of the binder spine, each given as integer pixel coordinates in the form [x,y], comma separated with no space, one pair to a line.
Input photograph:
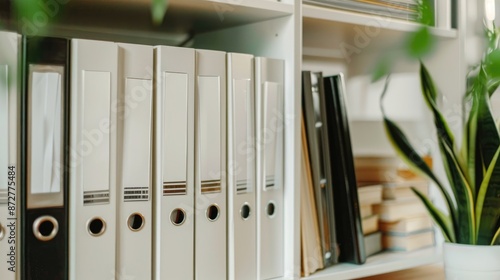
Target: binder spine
[93,178]
[347,217]
[45,136]
[134,206]
[174,168]
[210,153]
[269,83]
[241,167]
[9,168]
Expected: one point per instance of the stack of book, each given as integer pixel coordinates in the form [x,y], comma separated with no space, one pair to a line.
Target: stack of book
[397,9]
[370,196]
[404,221]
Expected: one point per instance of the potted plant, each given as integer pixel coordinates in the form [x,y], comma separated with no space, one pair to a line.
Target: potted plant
[471,223]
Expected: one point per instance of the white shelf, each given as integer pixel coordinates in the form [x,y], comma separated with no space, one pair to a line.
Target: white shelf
[123,19]
[195,5]
[310,12]
[273,8]
[378,264]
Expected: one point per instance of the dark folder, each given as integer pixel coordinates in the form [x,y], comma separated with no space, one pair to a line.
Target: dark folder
[44,158]
[318,145]
[345,194]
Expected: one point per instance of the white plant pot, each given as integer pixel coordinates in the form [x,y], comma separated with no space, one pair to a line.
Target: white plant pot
[471,262]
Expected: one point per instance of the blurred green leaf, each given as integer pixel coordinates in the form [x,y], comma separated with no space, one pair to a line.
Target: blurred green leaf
[496,238]
[158,11]
[426,11]
[27,8]
[492,64]
[382,68]
[420,43]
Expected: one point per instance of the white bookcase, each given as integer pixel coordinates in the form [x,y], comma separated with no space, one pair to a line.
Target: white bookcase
[300,34]
[352,43]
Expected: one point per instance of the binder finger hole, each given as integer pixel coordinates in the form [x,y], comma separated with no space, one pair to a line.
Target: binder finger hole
[135,222]
[178,217]
[45,228]
[96,226]
[213,213]
[245,211]
[270,209]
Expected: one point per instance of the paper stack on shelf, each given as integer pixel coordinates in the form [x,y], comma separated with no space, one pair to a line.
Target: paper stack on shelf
[403,219]
[408,241]
[408,10]
[371,170]
[405,224]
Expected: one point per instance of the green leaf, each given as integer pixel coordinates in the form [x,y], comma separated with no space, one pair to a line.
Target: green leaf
[32,12]
[426,12]
[493,85]
[487,136]
[420,43]
[492,64]
[382,68]
[488,203]
[158,10]
[441,220]
[430,95]
[465,233]
[469,149]
[406,151]
[496,238]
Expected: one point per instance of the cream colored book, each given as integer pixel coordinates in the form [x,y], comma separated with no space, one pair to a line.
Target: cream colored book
[376,169]
[365,210]
[395,210]
[408,242]
[312,258]
[407,225]
[369,195]
[369,224]
[402,189]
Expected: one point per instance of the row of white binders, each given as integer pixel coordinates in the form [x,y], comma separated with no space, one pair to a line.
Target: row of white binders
[140,162]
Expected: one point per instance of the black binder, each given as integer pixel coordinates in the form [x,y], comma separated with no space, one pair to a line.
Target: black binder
[345,194]
[316,123]
[44,158]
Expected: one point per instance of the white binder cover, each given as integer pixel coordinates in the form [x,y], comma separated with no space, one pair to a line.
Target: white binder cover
[134,204]
[9,45]
[269,84]
[93,159]
[241,168]
[173,233]
[210,162]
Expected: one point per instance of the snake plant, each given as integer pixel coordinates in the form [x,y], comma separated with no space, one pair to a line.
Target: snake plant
[473,170]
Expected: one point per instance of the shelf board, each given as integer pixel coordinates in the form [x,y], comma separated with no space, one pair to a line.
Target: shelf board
[122,18]
[311,12]
[378,264]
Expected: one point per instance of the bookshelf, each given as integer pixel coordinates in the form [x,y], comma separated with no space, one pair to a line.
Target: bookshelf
[302,35]
[326,32]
